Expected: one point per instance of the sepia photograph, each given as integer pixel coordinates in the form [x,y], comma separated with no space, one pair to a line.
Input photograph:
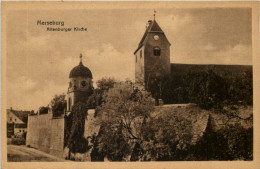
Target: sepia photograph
[171,83]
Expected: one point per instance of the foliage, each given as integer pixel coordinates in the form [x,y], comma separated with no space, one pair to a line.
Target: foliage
[240,141]
[105,84]
[211,146]
[122,112]
[240,89]
[96,98]
[43,110]
[113,144]
[74,129]
[58,105]
[231,142]
[166,137]
[208,89]
[18,141]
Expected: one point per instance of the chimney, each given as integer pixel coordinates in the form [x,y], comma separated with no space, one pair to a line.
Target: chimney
[150,22]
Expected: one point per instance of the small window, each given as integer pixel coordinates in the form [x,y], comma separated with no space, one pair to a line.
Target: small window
[10,118]
[83,83]
[141,55]
[157,51]
[19,130]
[14,119]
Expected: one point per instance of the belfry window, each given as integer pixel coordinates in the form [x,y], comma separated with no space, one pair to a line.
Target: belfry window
[157,51]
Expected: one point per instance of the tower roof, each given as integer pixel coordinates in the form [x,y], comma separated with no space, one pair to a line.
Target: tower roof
[152,27]
[80,71]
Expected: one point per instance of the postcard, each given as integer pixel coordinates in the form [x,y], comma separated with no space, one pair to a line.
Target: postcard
[138,84]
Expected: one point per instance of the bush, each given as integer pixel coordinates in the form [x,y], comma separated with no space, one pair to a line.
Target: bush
[18,141]
[209,89]
[58,105]
[74,129]
[43,110]
[240,141]
[122,112]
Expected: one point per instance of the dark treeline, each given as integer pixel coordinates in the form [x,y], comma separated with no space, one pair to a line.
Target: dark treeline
[127,135]
[209,88]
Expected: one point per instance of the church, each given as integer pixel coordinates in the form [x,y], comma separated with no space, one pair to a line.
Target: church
[152,66]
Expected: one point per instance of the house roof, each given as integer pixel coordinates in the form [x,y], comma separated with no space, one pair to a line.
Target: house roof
[20,125]
[22,115]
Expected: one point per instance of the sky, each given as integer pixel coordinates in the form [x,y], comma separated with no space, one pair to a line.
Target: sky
[39,62]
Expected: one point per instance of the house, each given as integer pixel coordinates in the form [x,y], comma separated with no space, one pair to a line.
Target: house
[16,122]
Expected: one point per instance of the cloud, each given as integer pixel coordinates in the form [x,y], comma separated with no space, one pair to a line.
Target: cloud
[39,62]
[238,54]
[20,96]
[105,61]
[25,83]
[209,47]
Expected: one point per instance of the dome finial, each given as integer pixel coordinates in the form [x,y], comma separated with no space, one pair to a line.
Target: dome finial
[80,56]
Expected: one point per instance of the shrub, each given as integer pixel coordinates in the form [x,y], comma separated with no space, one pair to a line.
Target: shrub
[240,141]
[18,141]
[58,105]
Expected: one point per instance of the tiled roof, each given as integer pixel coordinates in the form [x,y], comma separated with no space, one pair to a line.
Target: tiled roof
[22,115]
[20,125]
[155,27]
[151,28]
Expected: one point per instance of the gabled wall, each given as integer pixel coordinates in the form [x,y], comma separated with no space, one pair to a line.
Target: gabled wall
[12,118]
[139,67]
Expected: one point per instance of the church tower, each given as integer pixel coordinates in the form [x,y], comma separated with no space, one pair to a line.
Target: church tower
[80,85]
[152,59]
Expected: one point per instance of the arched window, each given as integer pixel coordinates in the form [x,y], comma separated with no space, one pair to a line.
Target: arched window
[156,51]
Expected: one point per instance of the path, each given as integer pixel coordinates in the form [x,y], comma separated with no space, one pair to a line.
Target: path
[26,154]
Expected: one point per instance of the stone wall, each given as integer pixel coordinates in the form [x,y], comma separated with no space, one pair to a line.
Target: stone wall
[57,137]
[156,64]
[139,67]
[46,134]
[91,124]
